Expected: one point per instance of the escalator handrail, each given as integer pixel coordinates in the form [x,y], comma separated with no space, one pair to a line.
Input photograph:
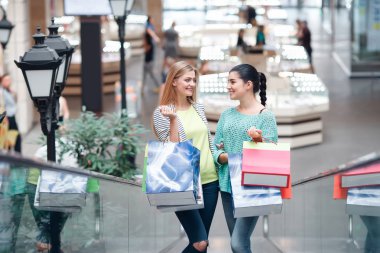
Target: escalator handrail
[14,158]
[362,161]
[29,163]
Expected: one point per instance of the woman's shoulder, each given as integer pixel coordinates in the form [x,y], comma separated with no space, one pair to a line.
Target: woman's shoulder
[267,114]
[228,113]
[156,111]
[199,105]
[230,110]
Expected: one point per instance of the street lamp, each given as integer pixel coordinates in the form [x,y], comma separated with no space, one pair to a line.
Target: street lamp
[63,48]
[5,28]
[40,67]
[120,10]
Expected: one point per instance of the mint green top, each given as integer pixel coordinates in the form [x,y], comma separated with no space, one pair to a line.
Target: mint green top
[232,131]
[196,130]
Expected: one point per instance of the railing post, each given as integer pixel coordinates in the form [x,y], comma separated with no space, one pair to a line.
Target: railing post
[266,226]
[350,227]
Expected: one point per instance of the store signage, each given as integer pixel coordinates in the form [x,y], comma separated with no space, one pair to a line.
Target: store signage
[87,7]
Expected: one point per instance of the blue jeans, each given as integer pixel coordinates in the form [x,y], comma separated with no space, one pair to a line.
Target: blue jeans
[240,229]
[197,223]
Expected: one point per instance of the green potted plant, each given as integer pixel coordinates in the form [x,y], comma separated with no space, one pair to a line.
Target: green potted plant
[106,144]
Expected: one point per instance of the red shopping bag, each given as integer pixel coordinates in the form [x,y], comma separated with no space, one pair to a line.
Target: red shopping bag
[339,192]
[266,164]
[287,193]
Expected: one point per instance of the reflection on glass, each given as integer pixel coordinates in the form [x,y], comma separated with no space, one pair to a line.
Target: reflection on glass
[116,217]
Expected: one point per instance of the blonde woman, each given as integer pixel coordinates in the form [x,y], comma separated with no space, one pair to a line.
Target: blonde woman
[179,118]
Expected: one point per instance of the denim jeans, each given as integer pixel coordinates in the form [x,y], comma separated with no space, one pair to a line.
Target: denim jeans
[197,223]
[240,229]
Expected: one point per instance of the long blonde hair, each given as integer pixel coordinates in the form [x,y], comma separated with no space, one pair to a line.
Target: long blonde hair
[177,70]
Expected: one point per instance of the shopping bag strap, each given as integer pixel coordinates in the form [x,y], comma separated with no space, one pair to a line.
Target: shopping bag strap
[267,140]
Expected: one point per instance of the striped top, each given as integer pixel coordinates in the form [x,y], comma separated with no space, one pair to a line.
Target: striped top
[161,126]
[232,131]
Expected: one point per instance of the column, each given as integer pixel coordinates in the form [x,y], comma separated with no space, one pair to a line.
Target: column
[19,43]
[91,68]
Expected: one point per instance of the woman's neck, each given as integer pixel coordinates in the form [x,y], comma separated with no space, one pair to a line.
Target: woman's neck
[249,104]
[182,103]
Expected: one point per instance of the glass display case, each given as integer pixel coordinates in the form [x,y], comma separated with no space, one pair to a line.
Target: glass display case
[299,95]
[192,38]
[289,58]
[216,59]
[296,99]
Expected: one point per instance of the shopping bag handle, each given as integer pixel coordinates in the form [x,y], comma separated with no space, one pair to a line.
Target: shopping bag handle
[266,140]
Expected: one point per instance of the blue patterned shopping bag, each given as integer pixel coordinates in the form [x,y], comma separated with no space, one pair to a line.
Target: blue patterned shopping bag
[364,201]
[251,200]
[172,173]
[60,191]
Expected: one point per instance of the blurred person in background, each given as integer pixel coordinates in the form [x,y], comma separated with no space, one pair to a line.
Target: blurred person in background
[64,112]
[305,39]
[241,45]
[260,36]
[298,30]
[251,15]
[170,44]
[9,99]
[150,38]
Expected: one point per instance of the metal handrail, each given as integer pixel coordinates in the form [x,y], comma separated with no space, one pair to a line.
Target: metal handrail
[357,163]
[31,163]
[36,163]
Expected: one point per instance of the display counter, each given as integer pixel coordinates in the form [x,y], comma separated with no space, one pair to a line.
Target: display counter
[285,58]
[215,60]
[296,99]
[192,38]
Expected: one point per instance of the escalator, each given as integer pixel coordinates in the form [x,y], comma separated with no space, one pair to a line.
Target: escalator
[116,217]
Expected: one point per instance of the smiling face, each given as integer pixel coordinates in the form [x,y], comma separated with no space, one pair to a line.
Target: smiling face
[185,85]
[236,87]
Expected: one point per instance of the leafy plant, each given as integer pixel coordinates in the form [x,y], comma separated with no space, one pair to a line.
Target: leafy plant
[106,144]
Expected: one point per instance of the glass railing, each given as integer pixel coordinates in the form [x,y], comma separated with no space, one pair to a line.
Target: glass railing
[313,221]
[109,215]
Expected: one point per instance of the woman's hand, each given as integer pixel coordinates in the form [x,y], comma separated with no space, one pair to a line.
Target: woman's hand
[255,134]
[168,111]
[223,158]
[220,146]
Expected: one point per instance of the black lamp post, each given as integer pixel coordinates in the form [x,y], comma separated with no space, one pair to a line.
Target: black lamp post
[120,10]
[5,29]
[40,67]
[63,48]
